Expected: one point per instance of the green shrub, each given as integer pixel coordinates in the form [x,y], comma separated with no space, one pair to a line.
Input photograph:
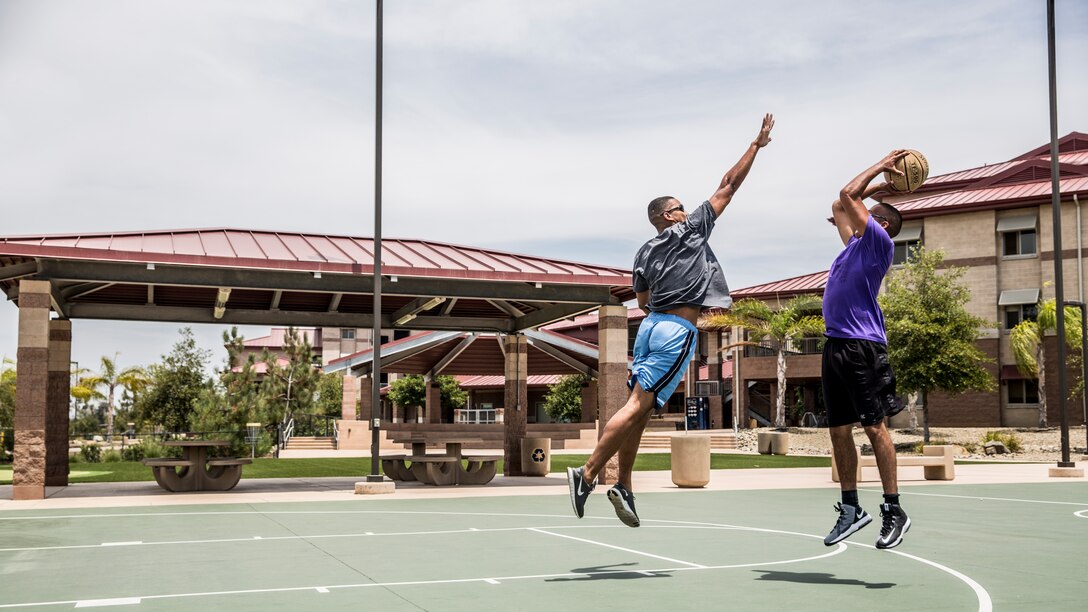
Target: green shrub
[112,455]
[133,452]
[1008,438]
[91,453]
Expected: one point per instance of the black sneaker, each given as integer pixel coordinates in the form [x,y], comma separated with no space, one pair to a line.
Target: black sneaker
[895,525]
[579,489]
[624,501]
[851,519]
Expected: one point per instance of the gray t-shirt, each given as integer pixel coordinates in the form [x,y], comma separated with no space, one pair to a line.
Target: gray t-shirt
[678,267]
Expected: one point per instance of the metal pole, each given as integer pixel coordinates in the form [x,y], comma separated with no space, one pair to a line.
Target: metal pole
[1056,209]
[376,332]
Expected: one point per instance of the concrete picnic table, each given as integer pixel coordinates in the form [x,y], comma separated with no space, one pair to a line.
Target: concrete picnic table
[440,470]
[195,471]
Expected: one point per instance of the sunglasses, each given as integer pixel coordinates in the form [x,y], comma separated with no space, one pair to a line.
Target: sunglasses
[680,208]
[881,217]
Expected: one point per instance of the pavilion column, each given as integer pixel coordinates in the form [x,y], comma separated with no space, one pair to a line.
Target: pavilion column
[31,397]
[714,365]
[589,401]
[57,394]
[349,403]
[366,402]
[612,391]
[516,398]
[433,408]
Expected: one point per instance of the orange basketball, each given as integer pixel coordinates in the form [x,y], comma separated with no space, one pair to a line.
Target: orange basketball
[915,169]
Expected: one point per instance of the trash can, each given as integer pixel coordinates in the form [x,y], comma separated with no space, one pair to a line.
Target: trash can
[690,460]
[536,456]
[698,412]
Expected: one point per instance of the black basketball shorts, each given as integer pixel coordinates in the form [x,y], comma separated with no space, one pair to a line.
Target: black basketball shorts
[859,385]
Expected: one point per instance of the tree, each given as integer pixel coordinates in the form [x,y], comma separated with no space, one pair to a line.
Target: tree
[176,384]
[931,336]
[132,378]
[798,319]
[7,393]
[563,403]
[408,391]
[290,381]
[411,390]
[1027,345]
[330,395]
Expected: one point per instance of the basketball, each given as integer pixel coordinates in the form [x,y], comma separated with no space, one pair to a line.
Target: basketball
[915,170]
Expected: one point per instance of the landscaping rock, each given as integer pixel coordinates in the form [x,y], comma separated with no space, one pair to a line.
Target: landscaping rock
[995,448]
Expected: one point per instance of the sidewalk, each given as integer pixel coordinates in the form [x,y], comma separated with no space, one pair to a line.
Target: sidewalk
[264,490]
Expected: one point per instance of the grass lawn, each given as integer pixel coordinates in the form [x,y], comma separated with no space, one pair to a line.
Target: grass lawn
[132,471]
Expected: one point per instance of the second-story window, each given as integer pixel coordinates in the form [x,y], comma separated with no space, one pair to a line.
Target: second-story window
[1018,235]
[909,238]
[1018,305]
[1022,312]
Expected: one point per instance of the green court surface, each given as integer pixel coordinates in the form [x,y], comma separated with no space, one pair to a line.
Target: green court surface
[972,547]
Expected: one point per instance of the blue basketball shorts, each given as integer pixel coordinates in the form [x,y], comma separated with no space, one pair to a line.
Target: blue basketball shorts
[664,347]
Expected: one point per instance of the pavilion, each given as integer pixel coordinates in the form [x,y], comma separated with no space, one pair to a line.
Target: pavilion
[249,277]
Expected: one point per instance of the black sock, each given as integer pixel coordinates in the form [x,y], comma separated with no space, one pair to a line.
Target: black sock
[892,499]
[851,498]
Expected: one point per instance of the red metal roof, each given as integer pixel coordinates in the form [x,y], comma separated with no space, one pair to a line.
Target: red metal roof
[1023,180]
[240,248]
[809,283]
[498,382]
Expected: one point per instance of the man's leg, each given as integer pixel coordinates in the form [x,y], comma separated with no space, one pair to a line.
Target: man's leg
[629,449]
[627,424]
[884,450]
[846,456]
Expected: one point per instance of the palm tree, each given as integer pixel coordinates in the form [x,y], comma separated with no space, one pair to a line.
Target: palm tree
[1027,345]
[799,318]
[135,379]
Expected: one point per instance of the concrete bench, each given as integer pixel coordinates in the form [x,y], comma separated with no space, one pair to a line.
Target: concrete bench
[938,462]
[439,470]
[480,469]
[166,462]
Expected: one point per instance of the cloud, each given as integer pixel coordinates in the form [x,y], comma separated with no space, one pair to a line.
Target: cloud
[536,127]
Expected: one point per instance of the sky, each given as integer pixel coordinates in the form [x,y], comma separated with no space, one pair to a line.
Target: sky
[541,128]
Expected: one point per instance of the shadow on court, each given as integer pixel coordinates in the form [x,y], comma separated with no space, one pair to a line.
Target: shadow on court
[606,572]
[819,578]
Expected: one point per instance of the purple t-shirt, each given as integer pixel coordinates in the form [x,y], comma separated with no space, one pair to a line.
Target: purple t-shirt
[850,306]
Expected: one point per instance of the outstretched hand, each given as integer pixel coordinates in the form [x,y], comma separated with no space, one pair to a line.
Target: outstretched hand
[888,163]
[764,137]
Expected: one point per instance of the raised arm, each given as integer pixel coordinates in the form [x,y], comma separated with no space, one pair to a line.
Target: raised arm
[849,211]
[732,179]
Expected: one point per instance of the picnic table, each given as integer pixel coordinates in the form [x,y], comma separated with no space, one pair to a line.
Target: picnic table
[450,468]
[195,471]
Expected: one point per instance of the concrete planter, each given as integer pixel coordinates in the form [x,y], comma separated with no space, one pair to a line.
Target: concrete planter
[773,442]
[690,460]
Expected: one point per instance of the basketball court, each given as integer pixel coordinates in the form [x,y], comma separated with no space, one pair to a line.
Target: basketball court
[972,547]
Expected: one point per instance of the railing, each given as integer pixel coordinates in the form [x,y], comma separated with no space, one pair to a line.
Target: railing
[288,431]
[800,346]
[336,434]
[476,416]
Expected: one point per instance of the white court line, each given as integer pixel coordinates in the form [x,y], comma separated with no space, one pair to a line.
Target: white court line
[287,512]
[1081,514]
[100,603]
[496,580]
[629,550]
[979,498]
[985,604]
[320,536]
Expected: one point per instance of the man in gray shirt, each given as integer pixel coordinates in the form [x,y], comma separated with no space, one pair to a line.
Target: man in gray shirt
[675,277]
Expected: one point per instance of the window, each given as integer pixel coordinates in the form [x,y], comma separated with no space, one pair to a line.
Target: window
[1023,392]
[903,251]
[1021,312]
[1017,235]
[1019,243]
[347,334]
[909,238]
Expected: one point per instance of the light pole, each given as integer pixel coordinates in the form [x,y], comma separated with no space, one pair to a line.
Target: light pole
[1084,367]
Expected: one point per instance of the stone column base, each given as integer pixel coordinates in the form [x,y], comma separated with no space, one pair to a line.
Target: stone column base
[1066,472]
[19,492]
[375,488]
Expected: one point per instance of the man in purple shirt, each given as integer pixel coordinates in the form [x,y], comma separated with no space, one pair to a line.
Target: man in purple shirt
[858,382]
